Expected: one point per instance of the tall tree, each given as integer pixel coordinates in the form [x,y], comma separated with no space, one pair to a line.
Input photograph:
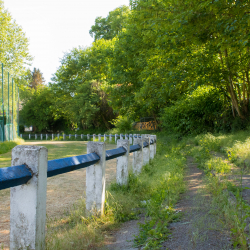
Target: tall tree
[14,51]
[36,78]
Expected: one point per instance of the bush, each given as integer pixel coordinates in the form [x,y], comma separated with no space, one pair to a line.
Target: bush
[199,112]
[122,123]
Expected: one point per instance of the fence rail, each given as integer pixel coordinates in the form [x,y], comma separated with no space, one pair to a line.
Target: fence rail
[28,182]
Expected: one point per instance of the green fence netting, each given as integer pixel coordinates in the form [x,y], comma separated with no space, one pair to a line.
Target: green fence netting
[9,109]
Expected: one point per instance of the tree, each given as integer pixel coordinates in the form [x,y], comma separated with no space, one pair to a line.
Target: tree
[14,52]
[108,27]
[36,79]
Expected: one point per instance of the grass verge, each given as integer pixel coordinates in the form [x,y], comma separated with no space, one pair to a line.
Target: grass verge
[154,193]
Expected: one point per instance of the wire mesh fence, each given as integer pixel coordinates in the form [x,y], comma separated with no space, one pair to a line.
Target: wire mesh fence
[9,110]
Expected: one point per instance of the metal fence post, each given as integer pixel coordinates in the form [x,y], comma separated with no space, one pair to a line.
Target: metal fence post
[146,152]
[95,179]
[122,164]
[28,201]
[138,156]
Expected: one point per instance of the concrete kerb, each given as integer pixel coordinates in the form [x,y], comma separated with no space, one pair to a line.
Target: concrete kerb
[28,202]
[95,179]
[138,157]
[146,152]
[122,163]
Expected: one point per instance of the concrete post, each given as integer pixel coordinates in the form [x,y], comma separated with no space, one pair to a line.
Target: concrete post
[99,137]
[126,136]
[41,137]
[21,135]
[81,136]
[52,137]
[152,147]
[46,136]
[28,201]
[69,136]
[137,157]
[121,138]
[75,136]
[130,139]
[64,137]
[155,143]
[146,152]
[95,179]
[58,136]
[35,136]
[104,138]
[122,164]
[110,138]
[88,136]
[116,135]
[29,136]
[93,137]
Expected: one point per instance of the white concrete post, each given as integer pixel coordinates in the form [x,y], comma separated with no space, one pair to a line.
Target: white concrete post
[28,201]
[64,137]
[93,137]
[126,136]
[122,164]
[35,136]
[99,137]
[81,136]
[41,137]
[130,139]
[110,138]
[152,147]
[116,135]
[155,143]
[29,136]
[21,135]
[69,136]
[105,137]
[52,137]
[146,152]
[137,157]
[75,136]
[46,136]
[95,179]
[88,137]
[58,136]
[121,138]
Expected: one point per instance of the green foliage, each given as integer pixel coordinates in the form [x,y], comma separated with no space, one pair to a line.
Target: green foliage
[39,109]
[122,123]
[7,146]
[107,28]
[198,112]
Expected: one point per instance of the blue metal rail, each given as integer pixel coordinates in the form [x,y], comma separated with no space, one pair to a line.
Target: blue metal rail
[18,175]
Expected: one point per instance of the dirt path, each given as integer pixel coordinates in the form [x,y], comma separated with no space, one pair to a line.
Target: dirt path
[62,192]
[198,229]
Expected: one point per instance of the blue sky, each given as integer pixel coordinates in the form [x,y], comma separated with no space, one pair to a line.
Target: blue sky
[54,27]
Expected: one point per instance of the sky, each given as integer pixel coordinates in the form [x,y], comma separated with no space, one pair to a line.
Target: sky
[54,27]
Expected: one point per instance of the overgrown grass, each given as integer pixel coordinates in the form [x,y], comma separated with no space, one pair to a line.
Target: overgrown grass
[153,193]
[6,146]
[217,155]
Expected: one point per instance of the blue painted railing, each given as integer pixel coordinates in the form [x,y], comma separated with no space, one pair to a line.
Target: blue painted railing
[19,175]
